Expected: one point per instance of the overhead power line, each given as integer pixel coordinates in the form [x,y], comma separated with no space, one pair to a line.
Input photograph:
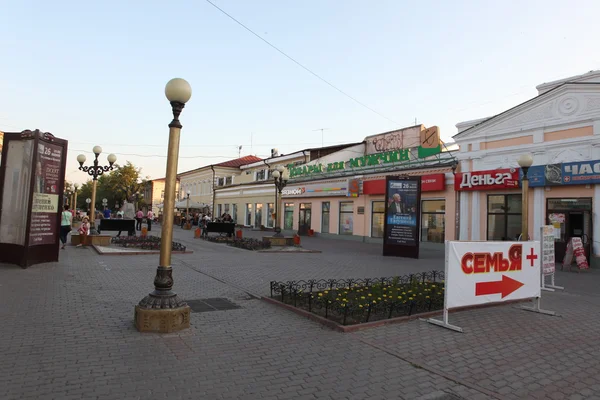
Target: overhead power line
[300,64]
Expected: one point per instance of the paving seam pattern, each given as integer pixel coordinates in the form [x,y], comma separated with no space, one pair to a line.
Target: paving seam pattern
[434,371]
[233,285]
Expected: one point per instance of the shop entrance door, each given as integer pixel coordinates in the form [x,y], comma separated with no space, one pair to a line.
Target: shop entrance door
[576,222]
[304,220]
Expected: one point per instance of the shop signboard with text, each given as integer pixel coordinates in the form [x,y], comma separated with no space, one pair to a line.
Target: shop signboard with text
[571,173]
[429,183]
[402,216]
[317,190]
[497,179]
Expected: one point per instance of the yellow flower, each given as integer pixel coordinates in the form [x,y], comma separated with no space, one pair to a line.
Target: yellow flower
[345,300]
[385,295]
[410,298]
[379,298]
[360,306]
[399,297]
[329,301]
[369,295]
[320,294]
[403,292]
[432,285]
[374,302]
[326,291]
[426,297]
[362,297]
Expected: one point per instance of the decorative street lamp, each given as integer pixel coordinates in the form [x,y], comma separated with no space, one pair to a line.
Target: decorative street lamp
[95,171]
[187,211]
[162,310]
[75,199]
[525,161]
[88,201]
[280,178]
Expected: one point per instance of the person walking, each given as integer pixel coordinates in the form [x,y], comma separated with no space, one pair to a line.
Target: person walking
[149,218]
[138,217]
[66,224]
[83,231]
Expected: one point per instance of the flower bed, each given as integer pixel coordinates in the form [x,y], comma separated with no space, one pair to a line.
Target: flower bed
[244,243]
[145,243]
[356,301]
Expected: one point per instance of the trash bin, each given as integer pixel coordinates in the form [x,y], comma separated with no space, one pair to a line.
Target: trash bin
[197,233]
[297,240]
[238,234]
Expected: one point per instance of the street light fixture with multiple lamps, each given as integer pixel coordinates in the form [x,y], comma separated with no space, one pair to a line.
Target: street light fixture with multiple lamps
[95,171]
[162,310]
[525,161]
[280,178]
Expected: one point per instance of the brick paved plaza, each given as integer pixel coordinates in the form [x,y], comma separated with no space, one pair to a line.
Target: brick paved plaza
[67,333]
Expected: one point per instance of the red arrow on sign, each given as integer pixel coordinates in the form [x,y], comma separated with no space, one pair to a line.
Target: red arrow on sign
[504,287]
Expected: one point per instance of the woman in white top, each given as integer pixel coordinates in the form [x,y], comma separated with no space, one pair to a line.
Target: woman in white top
[66,223]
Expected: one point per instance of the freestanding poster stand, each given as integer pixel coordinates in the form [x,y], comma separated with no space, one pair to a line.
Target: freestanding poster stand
[32,177]
[402,216]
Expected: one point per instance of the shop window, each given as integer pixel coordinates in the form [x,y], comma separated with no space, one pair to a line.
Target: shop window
[433,221]
[346,218]
[377,218]
[325,210]
[504,217]
[226,208]
[270,212]
[248,216]
[219,210]
[234,212]
[288,216]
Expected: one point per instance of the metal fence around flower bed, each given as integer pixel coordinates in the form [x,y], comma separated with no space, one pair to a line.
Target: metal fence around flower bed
[145,243]
[355,301]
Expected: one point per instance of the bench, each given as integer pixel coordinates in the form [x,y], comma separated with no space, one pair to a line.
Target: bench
[127,225]
[222,228]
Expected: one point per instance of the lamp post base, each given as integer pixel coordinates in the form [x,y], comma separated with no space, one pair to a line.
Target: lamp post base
[162,311]
[162,320]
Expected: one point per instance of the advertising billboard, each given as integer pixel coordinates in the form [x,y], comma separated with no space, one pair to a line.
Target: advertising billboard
[402,216]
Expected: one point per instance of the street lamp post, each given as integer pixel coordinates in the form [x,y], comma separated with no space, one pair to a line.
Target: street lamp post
[280,178]
[456,205]
[187,211]
[95,171]
[162,310]
[88,201]
[75,198]
[525,161]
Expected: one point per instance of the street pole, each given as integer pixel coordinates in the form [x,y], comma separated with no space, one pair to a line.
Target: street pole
[456,205]
[280,178]
[525,161]
[162,310]
[187,212]
[95,171]
[75,200]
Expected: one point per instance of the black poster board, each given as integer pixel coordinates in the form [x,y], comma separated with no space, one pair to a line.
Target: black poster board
[32,178]
[402,216]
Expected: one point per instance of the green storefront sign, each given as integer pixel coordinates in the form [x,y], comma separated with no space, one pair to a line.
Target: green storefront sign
[368,160]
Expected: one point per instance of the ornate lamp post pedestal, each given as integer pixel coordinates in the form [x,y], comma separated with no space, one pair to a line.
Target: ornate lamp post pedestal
[162,311]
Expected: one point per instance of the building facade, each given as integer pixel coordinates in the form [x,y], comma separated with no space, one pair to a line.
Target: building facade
[154,194]
[560,128]
[251,198]
[201,183]
[343,194]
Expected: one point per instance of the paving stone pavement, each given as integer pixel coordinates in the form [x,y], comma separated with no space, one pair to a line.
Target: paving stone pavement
[67,331]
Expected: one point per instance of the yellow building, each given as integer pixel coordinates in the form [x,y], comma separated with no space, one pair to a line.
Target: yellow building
[154,194]
[201,182]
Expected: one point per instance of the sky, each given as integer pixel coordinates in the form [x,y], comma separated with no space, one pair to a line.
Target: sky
[94,72]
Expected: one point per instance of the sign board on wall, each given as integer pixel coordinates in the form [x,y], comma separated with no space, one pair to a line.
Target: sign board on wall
[571,173]
[497,179]
[402,216]
[429,183]
[349,188]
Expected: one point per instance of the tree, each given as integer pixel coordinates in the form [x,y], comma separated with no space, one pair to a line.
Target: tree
[122,183]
